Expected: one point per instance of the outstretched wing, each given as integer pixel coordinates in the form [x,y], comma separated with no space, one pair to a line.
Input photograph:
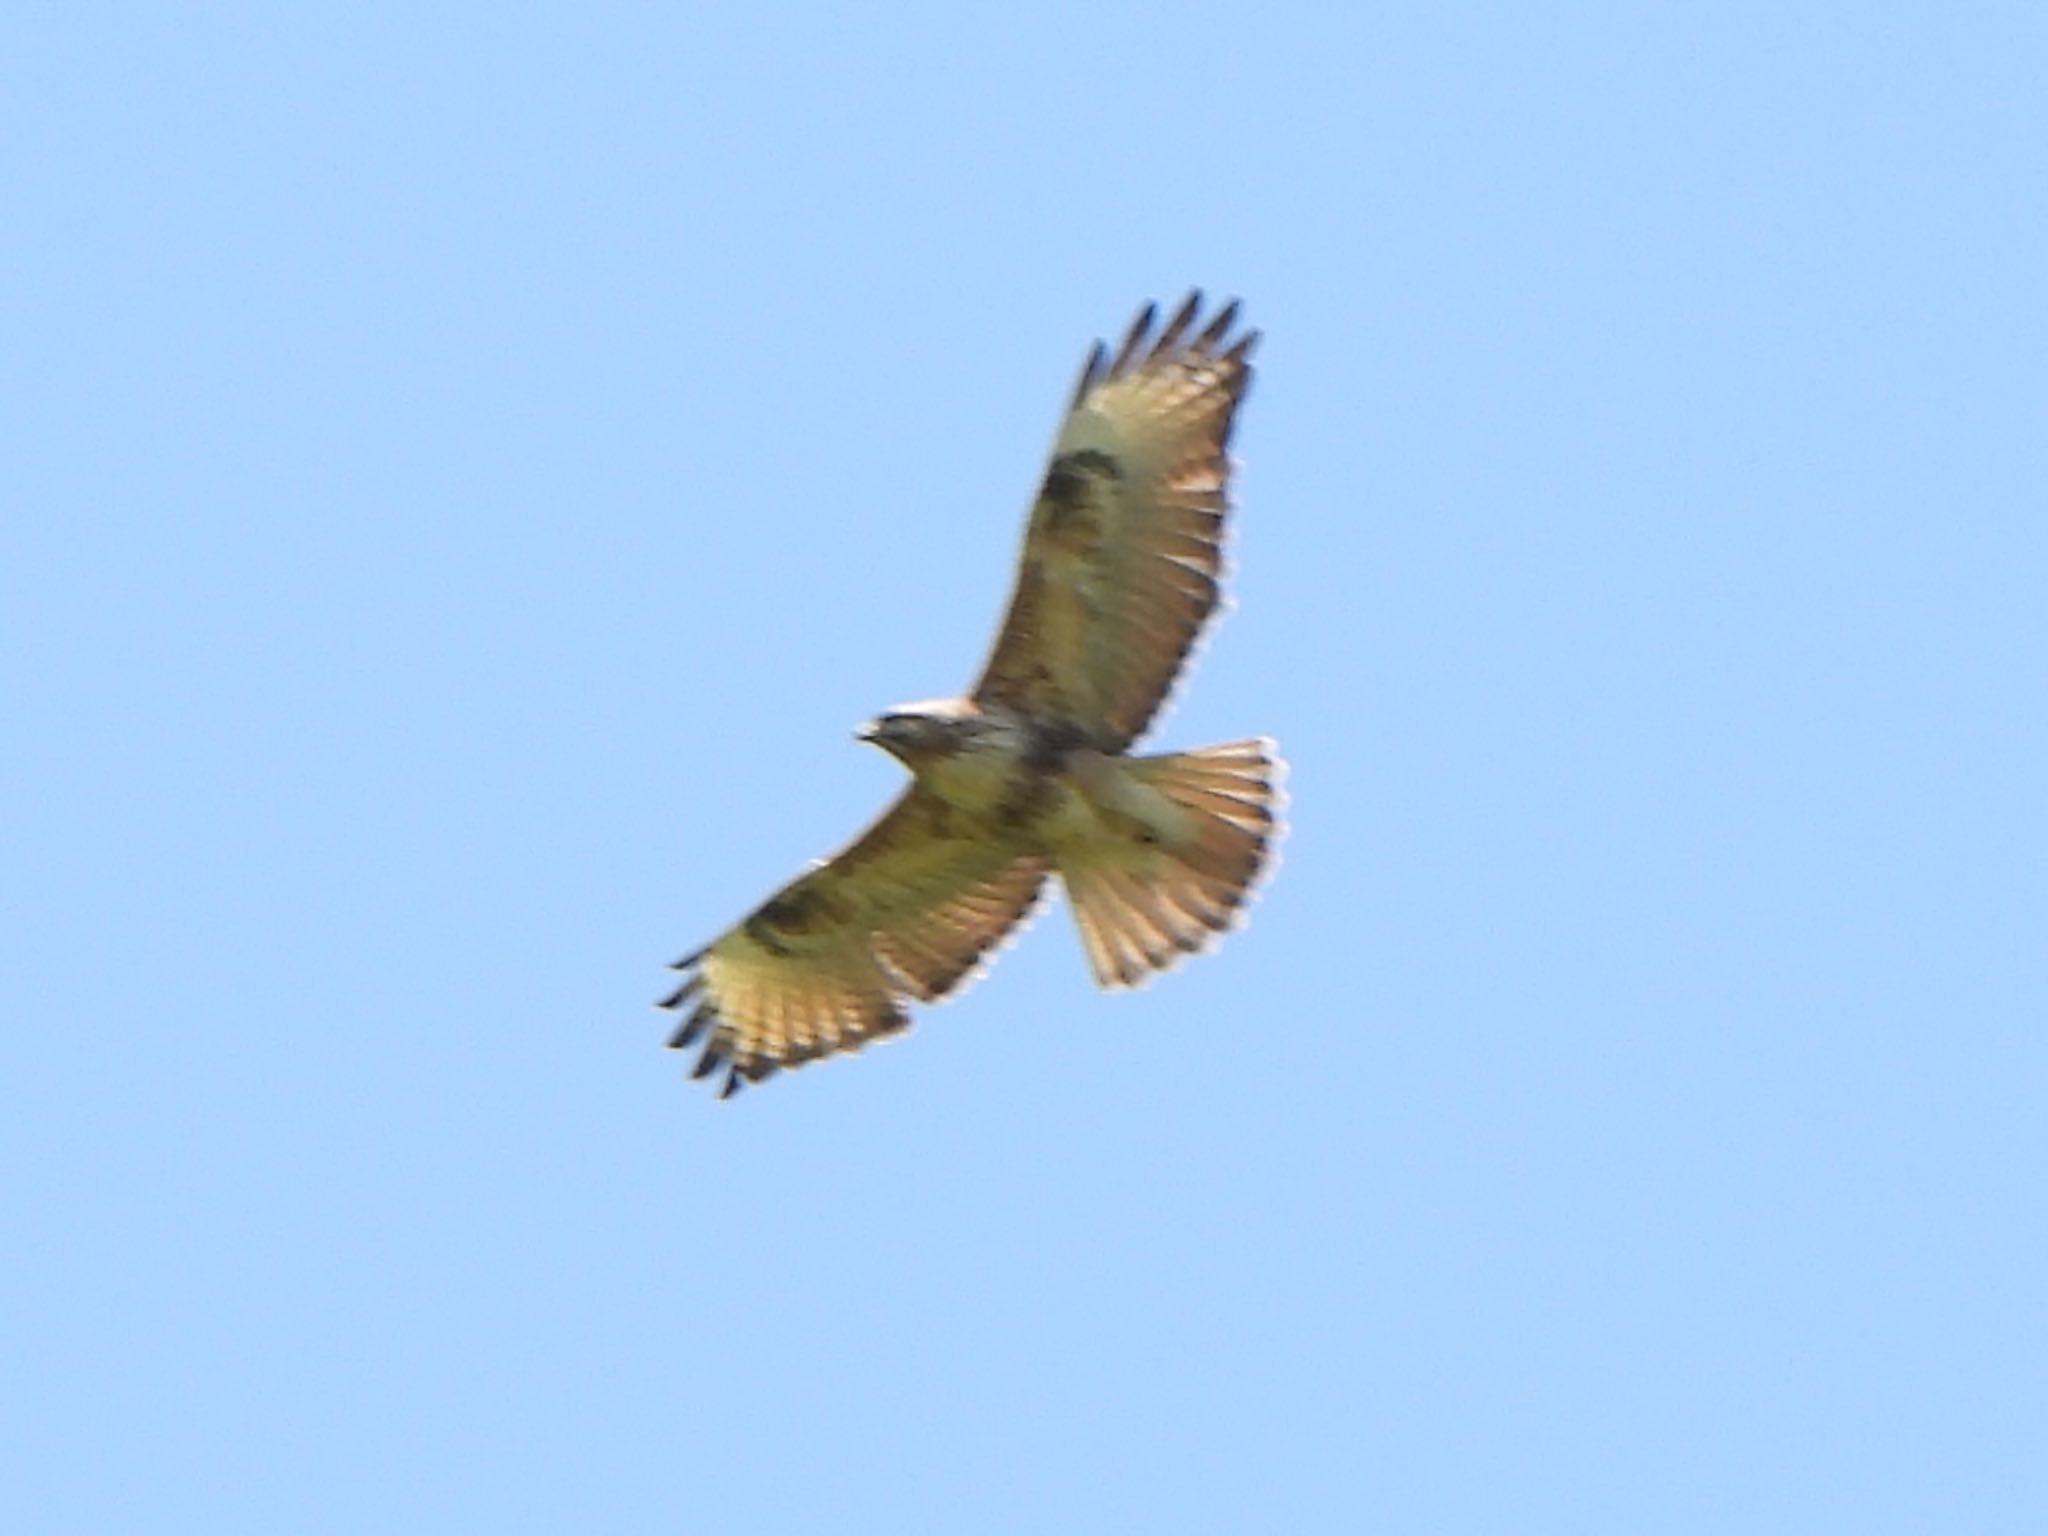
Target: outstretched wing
[1125,545]
[826,964]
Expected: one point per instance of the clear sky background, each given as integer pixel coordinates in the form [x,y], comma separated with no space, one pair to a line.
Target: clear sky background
[467,470]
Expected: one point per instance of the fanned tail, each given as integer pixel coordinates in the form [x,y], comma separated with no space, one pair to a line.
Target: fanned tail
[1186,838]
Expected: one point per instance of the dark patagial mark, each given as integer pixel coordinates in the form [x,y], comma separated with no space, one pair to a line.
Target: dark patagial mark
[1066,482]
[1070,498]
[757,930]
[1065,494]
[791,914]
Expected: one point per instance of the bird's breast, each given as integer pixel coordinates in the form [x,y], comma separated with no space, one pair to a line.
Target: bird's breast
[985,774]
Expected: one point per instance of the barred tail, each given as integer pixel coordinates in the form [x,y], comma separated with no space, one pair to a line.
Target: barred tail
[1185,838]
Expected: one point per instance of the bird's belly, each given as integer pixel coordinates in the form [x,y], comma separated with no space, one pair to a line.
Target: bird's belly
[1066,820]
[1100,803]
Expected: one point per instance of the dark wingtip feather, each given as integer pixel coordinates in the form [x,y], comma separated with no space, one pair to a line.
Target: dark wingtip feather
[693,1027]
[1091,373]
[1177,327]
[1218,327]
[745,1073]
[1134,339]
[684,993]
[1147,342]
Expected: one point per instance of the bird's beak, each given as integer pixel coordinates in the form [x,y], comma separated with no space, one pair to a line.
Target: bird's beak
[869,733]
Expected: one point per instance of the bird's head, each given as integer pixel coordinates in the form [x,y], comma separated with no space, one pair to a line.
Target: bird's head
[915,734]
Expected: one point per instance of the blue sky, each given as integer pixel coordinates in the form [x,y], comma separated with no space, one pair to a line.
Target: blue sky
[468,471]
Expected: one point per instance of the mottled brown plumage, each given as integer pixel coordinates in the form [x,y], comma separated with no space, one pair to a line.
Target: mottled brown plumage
[1028,775]
[1124,552]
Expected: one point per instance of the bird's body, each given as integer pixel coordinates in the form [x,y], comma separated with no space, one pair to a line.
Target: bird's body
[1030,773]
[1012,779]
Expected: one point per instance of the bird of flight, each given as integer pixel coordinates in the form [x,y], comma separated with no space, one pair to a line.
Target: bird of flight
[1030,774]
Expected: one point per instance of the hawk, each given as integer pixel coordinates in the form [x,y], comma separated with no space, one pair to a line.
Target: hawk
[1030,774]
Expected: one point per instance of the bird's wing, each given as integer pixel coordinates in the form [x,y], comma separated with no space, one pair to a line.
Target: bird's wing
[1124,550]
[826,964]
